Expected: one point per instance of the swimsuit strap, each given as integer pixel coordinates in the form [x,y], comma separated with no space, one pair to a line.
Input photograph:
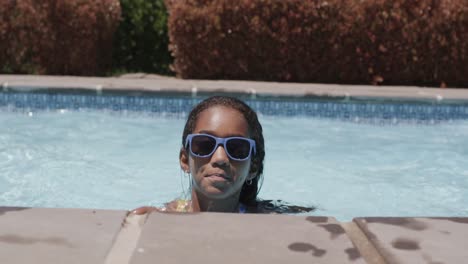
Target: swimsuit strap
[242,208]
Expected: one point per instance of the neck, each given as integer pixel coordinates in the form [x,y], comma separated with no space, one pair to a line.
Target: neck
[201,203]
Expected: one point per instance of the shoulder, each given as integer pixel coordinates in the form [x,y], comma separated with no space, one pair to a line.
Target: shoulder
[177,205]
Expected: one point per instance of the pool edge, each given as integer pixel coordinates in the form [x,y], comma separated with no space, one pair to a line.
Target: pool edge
[254,89]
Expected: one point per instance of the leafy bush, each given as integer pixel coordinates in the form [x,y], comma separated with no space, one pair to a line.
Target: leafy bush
[261,39]
[23,27]
[57,37]
[141,42]
[420,42]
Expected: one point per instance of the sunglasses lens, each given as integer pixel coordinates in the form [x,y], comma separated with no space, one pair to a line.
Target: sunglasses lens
[202,145]
[238,148]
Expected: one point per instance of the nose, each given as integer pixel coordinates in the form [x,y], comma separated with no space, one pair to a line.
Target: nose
[220,156]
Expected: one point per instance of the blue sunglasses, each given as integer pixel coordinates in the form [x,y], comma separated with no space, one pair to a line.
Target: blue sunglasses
[204,145]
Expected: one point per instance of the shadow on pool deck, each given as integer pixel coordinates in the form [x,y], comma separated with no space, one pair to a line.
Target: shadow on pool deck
[41,235]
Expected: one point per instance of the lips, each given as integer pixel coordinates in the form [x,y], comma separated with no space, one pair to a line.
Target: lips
[220,176]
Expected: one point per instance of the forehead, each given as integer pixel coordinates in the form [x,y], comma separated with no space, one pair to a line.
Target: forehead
[222,121]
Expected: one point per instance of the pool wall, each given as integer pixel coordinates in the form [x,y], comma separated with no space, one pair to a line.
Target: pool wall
[169,96]
[356,111]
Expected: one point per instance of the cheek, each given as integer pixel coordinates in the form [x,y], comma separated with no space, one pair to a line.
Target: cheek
[196,164]
[242,168]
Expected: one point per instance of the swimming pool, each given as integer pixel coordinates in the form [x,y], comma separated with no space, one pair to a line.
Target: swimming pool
[348,158]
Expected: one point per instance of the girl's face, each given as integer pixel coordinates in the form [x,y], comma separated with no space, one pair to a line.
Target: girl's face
[217,176]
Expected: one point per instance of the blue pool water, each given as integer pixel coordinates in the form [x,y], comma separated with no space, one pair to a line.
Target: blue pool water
[348,159]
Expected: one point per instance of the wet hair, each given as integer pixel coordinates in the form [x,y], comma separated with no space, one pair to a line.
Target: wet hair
[248,195]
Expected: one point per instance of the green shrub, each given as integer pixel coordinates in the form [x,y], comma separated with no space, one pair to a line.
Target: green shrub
[141,41]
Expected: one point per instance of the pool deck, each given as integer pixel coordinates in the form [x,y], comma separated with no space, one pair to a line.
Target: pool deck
[147,83]
[46,235]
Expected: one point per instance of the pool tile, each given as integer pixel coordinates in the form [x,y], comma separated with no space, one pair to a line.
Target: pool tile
[39,235]
[390,112]
[418,240]
[234,238]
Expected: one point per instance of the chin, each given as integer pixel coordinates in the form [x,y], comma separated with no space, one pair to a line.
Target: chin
[215,193]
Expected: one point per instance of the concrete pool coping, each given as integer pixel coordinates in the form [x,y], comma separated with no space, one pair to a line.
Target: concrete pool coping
[147,83]
[58,235]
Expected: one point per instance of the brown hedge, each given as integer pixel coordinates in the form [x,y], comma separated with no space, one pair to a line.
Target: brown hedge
[57,37]
[419,42]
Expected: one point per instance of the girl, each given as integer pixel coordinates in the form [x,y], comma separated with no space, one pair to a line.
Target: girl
[223,150]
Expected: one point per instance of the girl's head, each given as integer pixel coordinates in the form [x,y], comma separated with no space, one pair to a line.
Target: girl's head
[220,175]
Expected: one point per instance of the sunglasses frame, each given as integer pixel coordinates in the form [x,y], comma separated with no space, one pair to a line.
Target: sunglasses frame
[220,141]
